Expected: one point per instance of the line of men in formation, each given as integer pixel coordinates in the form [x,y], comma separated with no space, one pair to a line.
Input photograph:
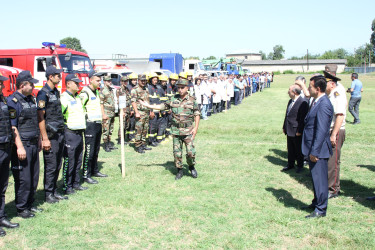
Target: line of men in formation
[56,124]
[315,127]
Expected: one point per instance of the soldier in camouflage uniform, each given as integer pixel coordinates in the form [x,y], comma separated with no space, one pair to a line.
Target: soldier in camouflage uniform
[185,113]
[142,114]
[123,91]
[107,104]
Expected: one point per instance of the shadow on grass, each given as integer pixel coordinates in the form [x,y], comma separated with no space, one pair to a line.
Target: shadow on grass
[170,166]
[283,196]
[349,188]
[369,167]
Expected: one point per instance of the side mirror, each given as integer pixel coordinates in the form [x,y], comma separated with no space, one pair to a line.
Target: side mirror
[68,56]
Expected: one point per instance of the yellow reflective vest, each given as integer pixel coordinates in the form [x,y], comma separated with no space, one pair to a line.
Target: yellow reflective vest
[74,116]
[91,104]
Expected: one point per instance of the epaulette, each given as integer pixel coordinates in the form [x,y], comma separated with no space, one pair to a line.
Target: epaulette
[14,100]
[336,93]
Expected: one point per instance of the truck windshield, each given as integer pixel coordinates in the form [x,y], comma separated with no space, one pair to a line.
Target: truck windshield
[200,65]
[75,64]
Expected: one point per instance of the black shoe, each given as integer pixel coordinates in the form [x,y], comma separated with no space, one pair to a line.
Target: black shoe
[179,174]
[107,147]
[6,223]
[315,215]
[60,196]
[70,191]
[98,174]
[311,206]
[80,188]
[372,198]
[112,145]
[144,147]
[90,180]
[194,173]
[154,144]
[51,199]
[36,210]
[356,122]
[299,170]
[2,232]
[333,195]
[118,141]
[286,169]
[139,150]
[26,214]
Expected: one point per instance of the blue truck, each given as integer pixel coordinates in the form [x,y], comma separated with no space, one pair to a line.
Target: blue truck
[170,61]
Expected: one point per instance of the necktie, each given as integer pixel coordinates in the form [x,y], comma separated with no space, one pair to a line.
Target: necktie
[290,106]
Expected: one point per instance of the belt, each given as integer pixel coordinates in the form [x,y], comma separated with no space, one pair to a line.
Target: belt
[31,142]
[78,131]
[183,125]
[5,145]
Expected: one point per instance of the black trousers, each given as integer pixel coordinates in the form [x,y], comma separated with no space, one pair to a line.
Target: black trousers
[153,128]
[295,151]
[169,123]
[26,176]
[52,162]
[73,153]
[93,135]
[131,129]
[4,175]
[216,108]
[162,126]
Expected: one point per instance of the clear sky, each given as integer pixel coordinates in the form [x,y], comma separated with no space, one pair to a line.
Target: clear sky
[192,28]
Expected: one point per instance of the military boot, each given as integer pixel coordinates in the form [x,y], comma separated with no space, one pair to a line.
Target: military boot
[112,145]
[107,147]
[139,150]
[180,174]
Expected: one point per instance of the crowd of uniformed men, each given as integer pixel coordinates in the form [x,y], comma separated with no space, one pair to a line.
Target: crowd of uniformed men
[68,127]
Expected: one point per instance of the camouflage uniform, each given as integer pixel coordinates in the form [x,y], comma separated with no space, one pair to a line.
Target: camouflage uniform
[183,114]
[108,100]
[141,125]
[123,91]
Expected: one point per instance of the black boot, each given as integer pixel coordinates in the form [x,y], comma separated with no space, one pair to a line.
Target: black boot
[193,171]
[107,147]
[139,150]
[144,147]
[112,145]
[180,174]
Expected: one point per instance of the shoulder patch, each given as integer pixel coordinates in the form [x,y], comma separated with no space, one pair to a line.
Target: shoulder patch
[41,104]
[336,93]
[14,100]
[12,113]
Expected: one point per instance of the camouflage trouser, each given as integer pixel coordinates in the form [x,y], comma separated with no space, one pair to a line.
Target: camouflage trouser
[126,126]
[141,128]
[178,141]
[108,128]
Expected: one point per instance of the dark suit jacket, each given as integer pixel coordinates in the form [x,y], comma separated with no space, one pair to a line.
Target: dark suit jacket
[315,140]
[295,120]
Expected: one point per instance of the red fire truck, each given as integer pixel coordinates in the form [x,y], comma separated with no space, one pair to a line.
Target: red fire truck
[11,73]
[37,60]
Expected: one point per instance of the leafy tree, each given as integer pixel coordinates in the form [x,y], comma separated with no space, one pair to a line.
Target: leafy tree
[335,54]
[73,43]
[264,57]
[372,39]
[361,55]
[270,56]
[278,52]
[193,58]
[210,58]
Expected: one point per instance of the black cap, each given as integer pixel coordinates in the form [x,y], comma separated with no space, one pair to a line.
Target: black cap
[3,78]
[51,70]
[98,74]
[330,77]
[26,76]
[72,77]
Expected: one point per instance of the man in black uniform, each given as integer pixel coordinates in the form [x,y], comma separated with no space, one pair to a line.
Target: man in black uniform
[131,130]
[51,125]
[163,117]
[25,152]
[5,143]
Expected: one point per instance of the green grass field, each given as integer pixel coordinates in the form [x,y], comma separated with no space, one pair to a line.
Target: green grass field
[240,199]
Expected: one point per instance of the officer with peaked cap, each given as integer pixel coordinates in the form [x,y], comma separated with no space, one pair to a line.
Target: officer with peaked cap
[25,153]
[51,125]
[5,145]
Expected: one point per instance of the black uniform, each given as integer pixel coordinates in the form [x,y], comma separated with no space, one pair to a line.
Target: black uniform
[5,143]
[23,116]
[49,101]
[153,124]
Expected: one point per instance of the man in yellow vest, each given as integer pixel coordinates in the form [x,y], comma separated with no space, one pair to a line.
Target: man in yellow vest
[91,105]
[75,125]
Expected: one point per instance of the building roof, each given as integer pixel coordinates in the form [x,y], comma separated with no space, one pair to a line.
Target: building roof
[243,53]
[293,62]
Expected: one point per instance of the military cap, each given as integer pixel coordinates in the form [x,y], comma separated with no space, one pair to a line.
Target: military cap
[51,70]
[26,76]
[142,77]
[330,77]
[72,77]
[182,82]
[332,68]
[3,78]
[124,78]
[107,78]
[98,74]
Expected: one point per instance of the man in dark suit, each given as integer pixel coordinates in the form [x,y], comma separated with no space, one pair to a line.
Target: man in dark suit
[293,127]
[316,143]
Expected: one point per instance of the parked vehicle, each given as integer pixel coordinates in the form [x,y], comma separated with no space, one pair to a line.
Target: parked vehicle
[11,73]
